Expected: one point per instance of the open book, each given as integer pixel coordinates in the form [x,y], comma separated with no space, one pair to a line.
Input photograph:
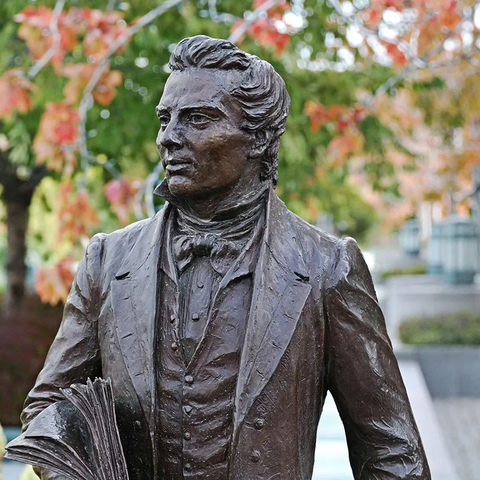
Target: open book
[77,437]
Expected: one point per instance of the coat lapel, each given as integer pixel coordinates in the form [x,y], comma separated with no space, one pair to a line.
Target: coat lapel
[134,304]
[280,290]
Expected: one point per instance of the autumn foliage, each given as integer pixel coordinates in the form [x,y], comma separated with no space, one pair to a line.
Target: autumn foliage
[55,142]
[79,75]
[271,31]
[76,215]
[53,283]
[417,27]
[15,93]
[121,194]
[89,33]
[76,44]
[98,30]
[343,122]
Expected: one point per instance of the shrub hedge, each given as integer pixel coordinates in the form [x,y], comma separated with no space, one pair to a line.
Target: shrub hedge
[25,338]
[461,328]
[418,269]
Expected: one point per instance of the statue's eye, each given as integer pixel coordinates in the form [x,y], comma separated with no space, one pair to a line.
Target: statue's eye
[164,119]
[198,119]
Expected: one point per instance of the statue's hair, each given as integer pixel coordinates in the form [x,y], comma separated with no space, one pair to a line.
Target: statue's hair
[261,93]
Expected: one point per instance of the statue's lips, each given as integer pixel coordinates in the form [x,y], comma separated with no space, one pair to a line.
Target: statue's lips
[176,166]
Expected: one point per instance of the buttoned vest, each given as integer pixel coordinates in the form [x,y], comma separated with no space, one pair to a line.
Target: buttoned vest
[195,399]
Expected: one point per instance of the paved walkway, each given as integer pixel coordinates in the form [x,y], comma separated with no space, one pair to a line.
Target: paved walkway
[331,454]
[460,421]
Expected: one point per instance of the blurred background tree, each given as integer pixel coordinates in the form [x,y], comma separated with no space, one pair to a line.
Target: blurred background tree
[78,87]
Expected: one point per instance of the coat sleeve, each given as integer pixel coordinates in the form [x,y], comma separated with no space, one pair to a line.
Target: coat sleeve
[74,355]
[364,378]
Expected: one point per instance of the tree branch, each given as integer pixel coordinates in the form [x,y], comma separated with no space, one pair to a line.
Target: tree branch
[402,45]
[220,17]
[240,31]
[53,29]
[15,188]
[412,67]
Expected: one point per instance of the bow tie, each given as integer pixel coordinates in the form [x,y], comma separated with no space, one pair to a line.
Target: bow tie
[222,252]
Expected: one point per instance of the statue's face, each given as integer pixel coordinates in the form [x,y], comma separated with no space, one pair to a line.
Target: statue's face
[203,149]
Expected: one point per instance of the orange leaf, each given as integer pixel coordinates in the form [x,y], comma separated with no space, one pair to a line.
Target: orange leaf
[76,214]
[275,12]
[121,195]
[343,146]
[265,33]
[53,284]
[103,29]
[35,31]
[15,92]
[342,115]
[57,134]
[80,75]
[317,113]
[397,56]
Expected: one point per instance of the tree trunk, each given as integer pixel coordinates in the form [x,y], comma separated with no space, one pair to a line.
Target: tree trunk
[17,195]
[17,224]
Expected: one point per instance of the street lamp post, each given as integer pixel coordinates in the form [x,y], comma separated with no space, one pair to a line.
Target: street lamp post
[460,250]
[436,248]
[409,238]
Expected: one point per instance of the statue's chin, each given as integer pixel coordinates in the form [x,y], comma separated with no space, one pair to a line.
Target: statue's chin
[184,187]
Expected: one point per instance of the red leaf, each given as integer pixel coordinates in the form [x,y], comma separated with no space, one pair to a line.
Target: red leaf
[56,136]
[15,92]
[121,195]
[35,31]
[53,284]
[396,55]
[76,214]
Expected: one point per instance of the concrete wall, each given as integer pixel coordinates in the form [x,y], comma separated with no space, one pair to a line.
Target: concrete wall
[409,296]
[449,371]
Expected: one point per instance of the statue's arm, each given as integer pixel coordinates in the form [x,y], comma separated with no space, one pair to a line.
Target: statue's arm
[75,354]
[364,378]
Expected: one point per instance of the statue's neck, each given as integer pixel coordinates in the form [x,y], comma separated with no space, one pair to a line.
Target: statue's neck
[215,207]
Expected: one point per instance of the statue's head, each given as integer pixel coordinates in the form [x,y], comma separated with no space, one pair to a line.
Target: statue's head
[223,104]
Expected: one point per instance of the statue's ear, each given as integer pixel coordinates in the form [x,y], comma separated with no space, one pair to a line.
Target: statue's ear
[260,142]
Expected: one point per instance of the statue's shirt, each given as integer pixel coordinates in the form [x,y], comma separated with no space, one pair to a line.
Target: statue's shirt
[204,302]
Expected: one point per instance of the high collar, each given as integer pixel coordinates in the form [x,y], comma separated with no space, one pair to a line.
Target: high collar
[227,210]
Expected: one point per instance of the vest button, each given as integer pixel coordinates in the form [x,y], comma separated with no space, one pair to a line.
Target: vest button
[195,317]
[189,379]
[255,457]
[138,425]
[187,436]
[174,346]
[187,467]
[172,318]
[259,423]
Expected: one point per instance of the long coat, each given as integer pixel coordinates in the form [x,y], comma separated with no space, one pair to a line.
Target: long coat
[314,326]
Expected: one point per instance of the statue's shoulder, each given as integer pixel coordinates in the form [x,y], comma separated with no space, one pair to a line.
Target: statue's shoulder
[308,236]
[130,232]
[119,242]
[315,236]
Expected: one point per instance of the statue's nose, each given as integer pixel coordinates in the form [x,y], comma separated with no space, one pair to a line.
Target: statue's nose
[169,137]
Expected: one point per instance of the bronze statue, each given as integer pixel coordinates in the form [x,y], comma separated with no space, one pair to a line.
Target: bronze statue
[223,321]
